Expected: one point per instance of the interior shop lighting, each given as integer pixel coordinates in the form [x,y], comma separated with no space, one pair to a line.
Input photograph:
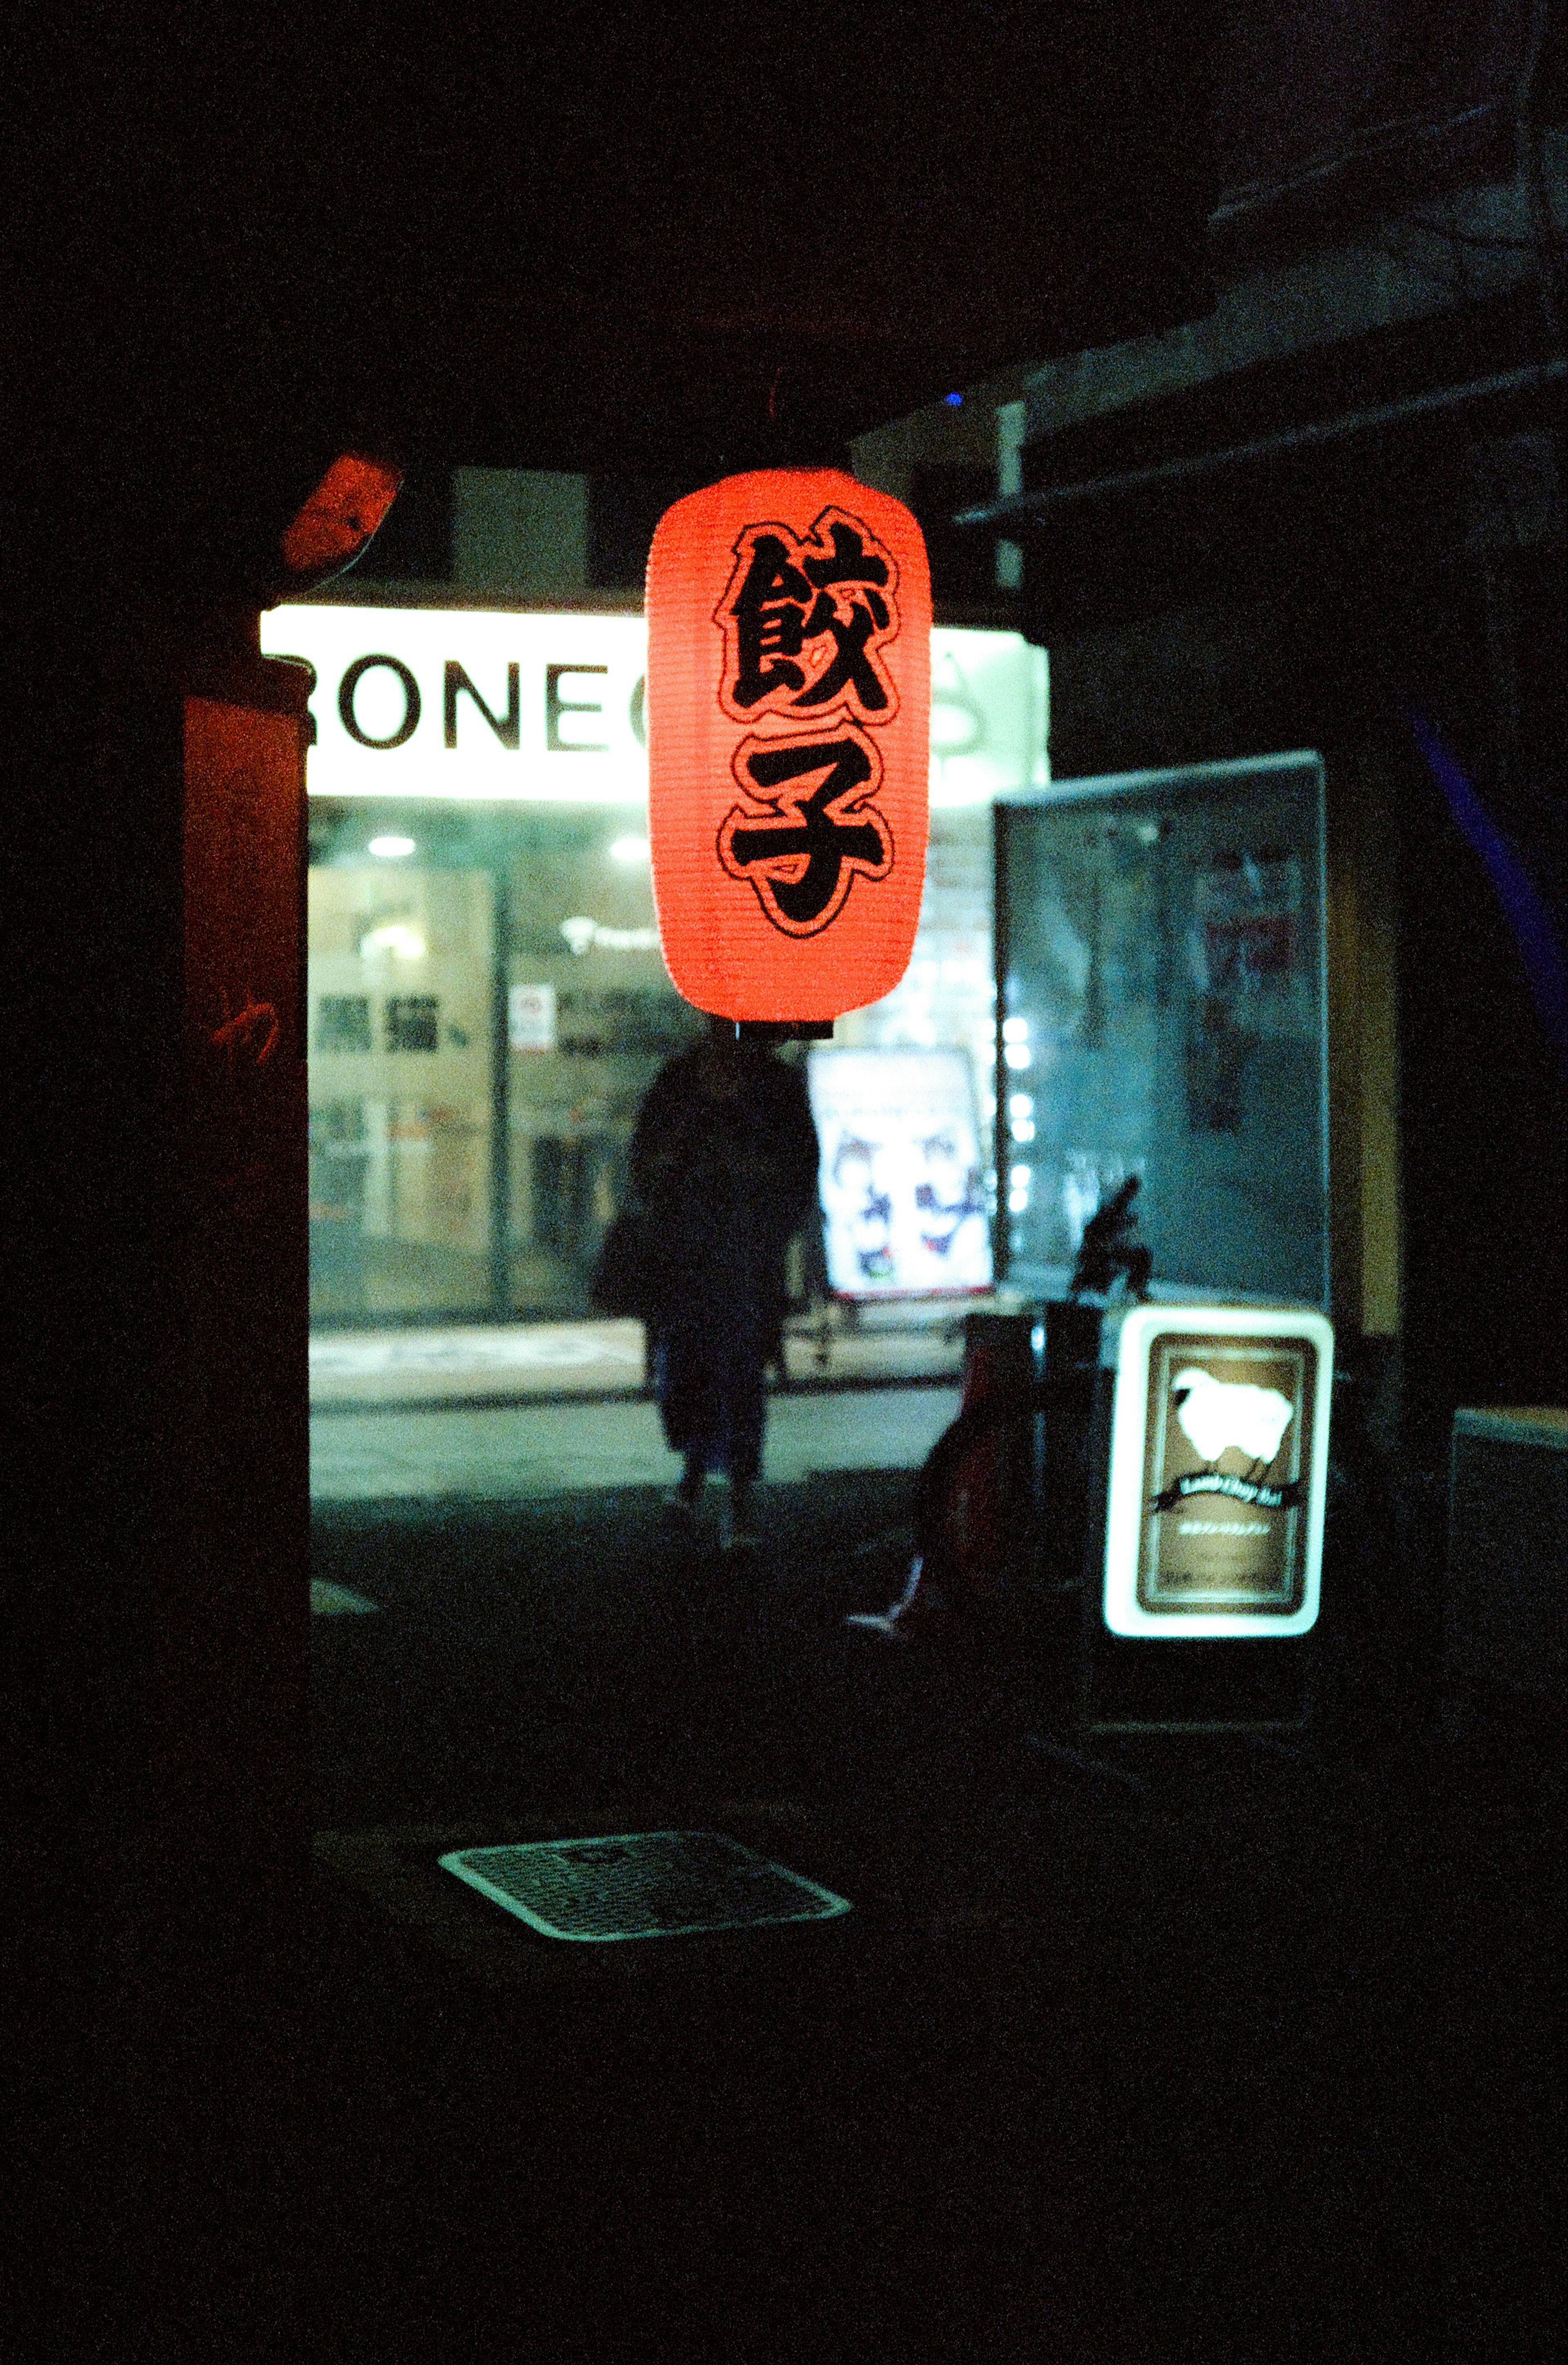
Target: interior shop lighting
[391,849]
[628,850]
[395,939]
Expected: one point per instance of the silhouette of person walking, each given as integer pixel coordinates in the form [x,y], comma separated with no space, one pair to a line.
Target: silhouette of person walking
[723,1162]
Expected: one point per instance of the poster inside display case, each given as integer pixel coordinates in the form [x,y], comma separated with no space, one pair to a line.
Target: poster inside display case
[1219,1460]
[1162,1013]
[904,1205]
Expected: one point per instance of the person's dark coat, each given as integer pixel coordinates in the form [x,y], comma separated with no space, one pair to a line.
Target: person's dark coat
[723,1162]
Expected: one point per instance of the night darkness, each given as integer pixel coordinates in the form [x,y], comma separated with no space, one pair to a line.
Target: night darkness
[1236,2050]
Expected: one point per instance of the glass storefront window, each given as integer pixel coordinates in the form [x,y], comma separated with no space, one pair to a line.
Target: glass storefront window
[402,959]
[591,1017]
[488,1004]
[948,998]
[486,1010]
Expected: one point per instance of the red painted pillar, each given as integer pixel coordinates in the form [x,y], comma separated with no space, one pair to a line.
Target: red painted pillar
[232,1621]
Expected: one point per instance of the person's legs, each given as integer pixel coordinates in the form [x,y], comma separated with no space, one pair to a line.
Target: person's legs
[699,1461]
[686,1406]
[712,1395]
[742,1413]
[737,1516]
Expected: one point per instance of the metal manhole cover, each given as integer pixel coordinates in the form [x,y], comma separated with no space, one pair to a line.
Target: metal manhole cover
[640,1885]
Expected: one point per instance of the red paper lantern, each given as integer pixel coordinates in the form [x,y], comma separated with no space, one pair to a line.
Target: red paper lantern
[788,711]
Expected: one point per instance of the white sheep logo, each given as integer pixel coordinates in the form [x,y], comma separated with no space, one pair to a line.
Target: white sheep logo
[1214,1414]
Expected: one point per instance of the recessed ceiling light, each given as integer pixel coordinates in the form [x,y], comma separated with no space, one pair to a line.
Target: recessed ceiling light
[393,939]
[628,849]
[391,849]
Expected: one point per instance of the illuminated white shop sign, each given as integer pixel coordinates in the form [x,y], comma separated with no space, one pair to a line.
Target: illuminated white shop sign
[486,704]
[1219,1466]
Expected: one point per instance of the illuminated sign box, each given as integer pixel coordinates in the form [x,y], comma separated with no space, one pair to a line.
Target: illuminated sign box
[904,1210]
[534,707]
[1219,1466]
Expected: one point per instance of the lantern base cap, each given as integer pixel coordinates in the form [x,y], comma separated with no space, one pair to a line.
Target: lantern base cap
[783,1030]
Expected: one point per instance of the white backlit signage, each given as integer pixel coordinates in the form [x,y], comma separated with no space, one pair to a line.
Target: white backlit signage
[1219,1466]
[902,1185]
[499,704]
[531,1017]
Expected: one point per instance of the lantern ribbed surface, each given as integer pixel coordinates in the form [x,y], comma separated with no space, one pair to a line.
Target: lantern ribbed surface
[789,709]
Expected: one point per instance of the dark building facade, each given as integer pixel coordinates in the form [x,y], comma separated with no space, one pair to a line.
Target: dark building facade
[238,260]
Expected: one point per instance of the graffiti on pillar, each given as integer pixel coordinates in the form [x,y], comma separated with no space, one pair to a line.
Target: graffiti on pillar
[239,808]
[239,1032]
[247,1038]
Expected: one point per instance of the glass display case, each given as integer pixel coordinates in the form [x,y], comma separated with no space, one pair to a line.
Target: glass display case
[1161,1011]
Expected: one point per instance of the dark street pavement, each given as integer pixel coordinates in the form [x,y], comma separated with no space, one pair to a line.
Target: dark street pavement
[1200,2047]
